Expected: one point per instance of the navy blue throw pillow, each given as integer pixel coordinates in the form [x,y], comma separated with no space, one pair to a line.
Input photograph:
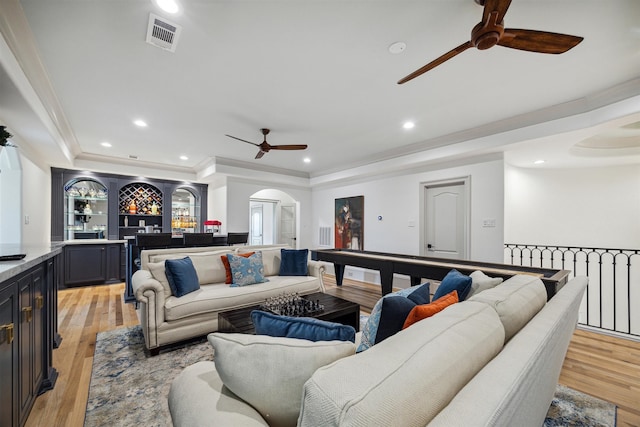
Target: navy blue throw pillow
[293,262]
[182,276]
[421,295]
[306,328]
[454,281]
[394,312]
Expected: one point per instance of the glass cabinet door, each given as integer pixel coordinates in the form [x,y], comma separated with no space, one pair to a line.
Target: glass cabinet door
[86,210]
[185,212]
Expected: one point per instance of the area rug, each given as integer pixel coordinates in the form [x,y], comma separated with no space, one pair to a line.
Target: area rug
[573,408]
[130,388]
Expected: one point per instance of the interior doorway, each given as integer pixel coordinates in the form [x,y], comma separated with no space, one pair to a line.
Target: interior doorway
[445,219]
[257,219]
[262,227]
[288,224]
[273,218]
[280,222]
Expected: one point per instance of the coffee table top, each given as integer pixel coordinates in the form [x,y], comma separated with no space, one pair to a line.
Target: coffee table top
[335,310]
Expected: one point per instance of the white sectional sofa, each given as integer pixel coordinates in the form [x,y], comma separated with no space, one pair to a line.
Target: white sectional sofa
[492,360]
[167,319]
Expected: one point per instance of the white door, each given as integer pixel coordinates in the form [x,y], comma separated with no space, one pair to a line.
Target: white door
[288,225]
[256,224]
[445,221]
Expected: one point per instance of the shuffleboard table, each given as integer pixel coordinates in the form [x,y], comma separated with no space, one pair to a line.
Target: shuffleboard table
[419,267]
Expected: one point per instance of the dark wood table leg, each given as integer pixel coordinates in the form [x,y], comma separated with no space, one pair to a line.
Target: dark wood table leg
[339,270]
[415,281]
[386,278]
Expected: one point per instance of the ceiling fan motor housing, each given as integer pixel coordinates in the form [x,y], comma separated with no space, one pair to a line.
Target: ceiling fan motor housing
[487,34]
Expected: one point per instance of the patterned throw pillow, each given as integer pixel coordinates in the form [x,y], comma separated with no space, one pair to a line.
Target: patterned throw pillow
[227,268]
[370,329]
[246,271]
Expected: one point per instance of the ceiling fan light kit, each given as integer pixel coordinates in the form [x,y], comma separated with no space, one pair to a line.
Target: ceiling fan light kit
[491,31]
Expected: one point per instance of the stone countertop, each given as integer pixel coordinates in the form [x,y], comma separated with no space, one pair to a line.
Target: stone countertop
[35,255]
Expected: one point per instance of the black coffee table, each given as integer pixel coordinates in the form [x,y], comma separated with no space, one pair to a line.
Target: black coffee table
[335,310]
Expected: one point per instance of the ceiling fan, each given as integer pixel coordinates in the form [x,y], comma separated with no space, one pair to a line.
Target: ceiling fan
[491,32]
[265,146]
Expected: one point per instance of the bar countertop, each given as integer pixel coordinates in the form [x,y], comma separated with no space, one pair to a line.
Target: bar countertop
[91,242]
[34,255]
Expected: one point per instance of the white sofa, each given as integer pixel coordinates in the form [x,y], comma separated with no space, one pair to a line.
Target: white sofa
[493,360]
[167,319]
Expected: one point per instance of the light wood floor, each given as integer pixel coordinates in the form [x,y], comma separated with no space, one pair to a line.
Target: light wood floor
[603,366]
[82,313]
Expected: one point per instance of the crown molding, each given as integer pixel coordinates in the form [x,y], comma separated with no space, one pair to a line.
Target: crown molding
[25,67]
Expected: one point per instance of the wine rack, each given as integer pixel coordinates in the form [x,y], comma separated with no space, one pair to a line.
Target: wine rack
[144,195]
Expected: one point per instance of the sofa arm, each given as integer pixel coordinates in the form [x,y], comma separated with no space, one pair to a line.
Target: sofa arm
[141,282]
[151,295]
[316,268]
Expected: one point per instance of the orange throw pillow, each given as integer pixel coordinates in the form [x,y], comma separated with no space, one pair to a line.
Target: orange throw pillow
[423,311]
[227,267]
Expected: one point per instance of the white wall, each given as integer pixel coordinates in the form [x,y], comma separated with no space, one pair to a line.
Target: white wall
[217,202]
[25,193]
[397,200]
[11,196]
[36,203]
[594,207]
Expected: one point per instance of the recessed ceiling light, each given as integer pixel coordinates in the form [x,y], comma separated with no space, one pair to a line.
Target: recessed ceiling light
[408,125]
[538,162]
[306,160]
[105,144]
[140,123]
[397,47]
[184,158]
[169,6]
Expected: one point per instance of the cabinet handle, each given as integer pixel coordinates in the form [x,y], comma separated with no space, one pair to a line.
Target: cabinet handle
[39,302]
[8,332]
[27,312]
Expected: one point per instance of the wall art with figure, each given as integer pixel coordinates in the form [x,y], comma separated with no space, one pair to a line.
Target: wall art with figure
[349,223]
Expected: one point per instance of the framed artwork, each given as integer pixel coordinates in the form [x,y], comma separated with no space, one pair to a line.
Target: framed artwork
[349,223]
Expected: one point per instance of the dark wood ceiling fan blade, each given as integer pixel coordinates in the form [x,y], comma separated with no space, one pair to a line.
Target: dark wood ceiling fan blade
[431,65]
[289,147]
[538,41]
[260,154]
[248,142]
[500,6]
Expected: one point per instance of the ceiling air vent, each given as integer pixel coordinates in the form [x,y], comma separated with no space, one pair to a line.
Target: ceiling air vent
[162,33]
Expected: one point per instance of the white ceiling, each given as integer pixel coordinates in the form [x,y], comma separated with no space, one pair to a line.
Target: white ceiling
[319,72]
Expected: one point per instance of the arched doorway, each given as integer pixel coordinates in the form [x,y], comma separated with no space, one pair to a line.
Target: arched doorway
[273,218]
